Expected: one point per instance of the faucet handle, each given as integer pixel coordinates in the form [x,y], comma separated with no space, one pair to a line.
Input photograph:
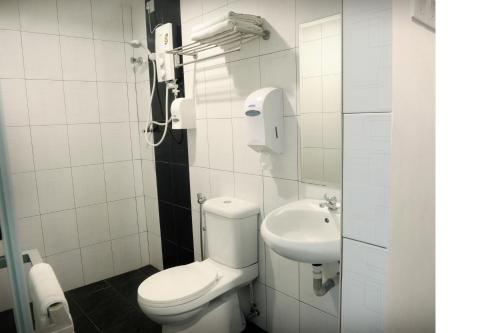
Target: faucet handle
[330,199]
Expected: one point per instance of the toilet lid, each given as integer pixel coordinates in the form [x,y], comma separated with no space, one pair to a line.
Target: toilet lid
[177,285]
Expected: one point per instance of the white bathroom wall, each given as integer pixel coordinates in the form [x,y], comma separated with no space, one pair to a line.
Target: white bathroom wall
[68,96]
[367,69]
[410,305]
[221,163]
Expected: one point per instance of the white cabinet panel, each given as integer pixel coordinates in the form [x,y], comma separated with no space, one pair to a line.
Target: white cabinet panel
[367,56]
[363,287]
[367,142]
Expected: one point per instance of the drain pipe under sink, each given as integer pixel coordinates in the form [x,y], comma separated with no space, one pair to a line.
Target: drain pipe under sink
[321,288]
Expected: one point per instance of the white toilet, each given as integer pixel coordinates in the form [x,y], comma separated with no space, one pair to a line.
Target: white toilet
[202,296]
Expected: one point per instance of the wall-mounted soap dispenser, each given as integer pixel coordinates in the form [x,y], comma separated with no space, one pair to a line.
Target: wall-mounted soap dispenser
[183,113]
[264,120]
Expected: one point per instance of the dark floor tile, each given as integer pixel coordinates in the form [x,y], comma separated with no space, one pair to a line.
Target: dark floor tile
[84,325]
[135,322]
[90,288]
[127,284]
[149,270]
[111,312]
[252,328]
[74,309]
[7,322]
[99,298]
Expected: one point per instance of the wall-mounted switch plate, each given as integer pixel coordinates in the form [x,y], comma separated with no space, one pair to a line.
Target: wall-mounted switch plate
[150,6]
[424,12]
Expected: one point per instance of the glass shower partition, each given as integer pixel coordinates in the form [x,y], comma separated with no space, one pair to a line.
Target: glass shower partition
[13,258]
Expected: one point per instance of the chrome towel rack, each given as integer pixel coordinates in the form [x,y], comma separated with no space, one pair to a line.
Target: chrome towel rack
[235,38]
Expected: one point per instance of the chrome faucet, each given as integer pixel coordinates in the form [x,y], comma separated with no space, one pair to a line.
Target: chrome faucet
[331,203]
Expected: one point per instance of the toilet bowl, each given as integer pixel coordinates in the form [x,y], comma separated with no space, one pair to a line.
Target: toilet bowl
[202,296]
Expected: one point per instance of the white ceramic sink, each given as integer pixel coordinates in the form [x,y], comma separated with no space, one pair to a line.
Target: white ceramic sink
[303,231]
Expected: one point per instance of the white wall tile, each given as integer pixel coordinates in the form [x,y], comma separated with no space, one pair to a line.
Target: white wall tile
[132,102]
[20,153]
[191,9]
[126,254]
[311,93]
[113,101]
[314,320]
[221,183]
[198,144]
[39,16]
[285,165]
[332,130]
[122,218]
[199,181]
[68,268]
[85,144]
[155,254]
[60,231]
[9,15]
[330,64]
[282,312]
[250,188]
[282,274]
[143,106]
[93,226]
[110,61]
[81,102]
[97,261]
[152,216]
[279,70]
[246,159]
[280,23]
[149,178]
[75,18]
[30,235]
[42,56]
[141,214]
[138,183]
[329,303]
[25,194]
[367,56]
[14,102]
[127,21]
[218,91]
[135,140]
[116,144]
[88,182]
[367,141]
[108,25]
[220,144]
[119,180]
[211,5]
[45,102]
[11,63]
[245,76]
[51,200]
[78,61]
[321,9]
[311,130]
[332,93]
[278,192]
[363,287]
[144,243]
[50,146]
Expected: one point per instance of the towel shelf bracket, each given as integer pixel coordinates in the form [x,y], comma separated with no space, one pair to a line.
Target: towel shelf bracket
[229,41]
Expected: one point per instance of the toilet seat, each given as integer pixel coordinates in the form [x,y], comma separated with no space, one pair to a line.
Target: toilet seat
[154,299]
[178,285]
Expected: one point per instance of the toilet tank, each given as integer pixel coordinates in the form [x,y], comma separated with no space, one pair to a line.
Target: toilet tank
[232,231]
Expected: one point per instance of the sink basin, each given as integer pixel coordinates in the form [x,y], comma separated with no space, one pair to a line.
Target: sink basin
[303,231]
